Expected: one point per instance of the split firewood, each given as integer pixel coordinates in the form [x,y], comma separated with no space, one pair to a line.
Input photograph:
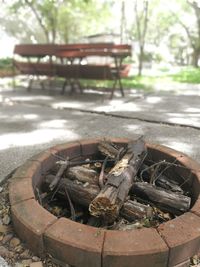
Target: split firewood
[83,195]
[82,174]
[133,210]
[160,180]
[119,181]
[108,149]
[164,199]
[168,184]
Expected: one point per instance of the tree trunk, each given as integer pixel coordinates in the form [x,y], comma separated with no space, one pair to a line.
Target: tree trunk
[122,22]
[141,57]
[195,58]
[39,19]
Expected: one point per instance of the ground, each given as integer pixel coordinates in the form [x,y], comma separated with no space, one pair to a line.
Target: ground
[32,121]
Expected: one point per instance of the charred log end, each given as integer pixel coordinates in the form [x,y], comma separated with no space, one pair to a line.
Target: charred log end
[102,207]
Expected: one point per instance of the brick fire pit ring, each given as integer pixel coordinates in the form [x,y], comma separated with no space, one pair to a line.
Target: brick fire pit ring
[171,244]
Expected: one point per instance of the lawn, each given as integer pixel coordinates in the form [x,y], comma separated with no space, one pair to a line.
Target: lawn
[148,82]
[187,75]
[145,82]
[184,75]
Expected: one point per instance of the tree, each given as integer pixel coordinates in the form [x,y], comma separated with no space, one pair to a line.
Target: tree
[27,20]
[122,22]
[187,15]
[46,14]
[53,21]
[194,37]
[141,18]
[79,18]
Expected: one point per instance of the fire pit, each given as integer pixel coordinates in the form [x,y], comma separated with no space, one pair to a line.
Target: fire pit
[170,244]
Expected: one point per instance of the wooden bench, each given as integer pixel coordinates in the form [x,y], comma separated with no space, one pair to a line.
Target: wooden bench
[71,75]
[74,73]
[76,53]
[35,50]
[34,60]
[42,60]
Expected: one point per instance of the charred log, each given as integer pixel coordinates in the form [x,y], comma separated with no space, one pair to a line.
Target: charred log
[119,181]
[164,199]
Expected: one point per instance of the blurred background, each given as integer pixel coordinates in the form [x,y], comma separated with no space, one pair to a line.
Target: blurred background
[165,35]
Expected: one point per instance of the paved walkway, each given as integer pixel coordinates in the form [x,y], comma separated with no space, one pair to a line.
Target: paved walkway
[33,121]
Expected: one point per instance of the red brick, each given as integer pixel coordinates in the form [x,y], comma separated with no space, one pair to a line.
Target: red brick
[73,243]
[196,207]
[159,153]
[71,150]
[164,153]
[29,169]
[136,248]
[183,264]
[196,185]
[20,190]
[192,170]
[189,162]
[89,146]
[30,221]
[46,158]
[182,236]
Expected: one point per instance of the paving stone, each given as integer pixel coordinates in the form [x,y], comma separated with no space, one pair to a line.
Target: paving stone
[183,264]
[20,190]
[137,248]
[182,235]
[30,221]
[46,158]
[28,170]
[75,244]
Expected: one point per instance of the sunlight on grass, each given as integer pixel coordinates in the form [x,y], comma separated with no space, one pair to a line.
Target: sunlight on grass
[187,75]
[156,78]
[133,82]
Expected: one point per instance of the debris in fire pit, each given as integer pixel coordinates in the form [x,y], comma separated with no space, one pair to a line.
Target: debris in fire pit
[119,188]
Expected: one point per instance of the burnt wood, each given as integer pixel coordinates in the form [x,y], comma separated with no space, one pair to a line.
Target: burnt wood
[119,181]
[166,200]
[83,195]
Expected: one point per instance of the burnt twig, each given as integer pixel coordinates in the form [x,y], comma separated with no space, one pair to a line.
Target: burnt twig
[72,210]
[102,173]
[59,174]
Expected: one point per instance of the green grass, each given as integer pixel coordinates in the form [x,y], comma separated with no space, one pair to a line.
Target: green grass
[5,67]
[187,75]
[144,82]
[5,63]
[147,83]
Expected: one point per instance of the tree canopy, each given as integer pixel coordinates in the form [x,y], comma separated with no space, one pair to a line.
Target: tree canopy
[174,25]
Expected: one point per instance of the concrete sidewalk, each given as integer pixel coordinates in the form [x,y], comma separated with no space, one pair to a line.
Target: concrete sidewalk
[33,121]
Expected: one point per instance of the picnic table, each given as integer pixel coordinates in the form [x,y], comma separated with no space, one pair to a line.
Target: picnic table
[71,66]
[94,71]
